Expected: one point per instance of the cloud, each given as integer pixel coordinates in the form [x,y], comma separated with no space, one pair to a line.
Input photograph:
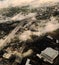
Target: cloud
[43,2]
[7,3]
[50,26]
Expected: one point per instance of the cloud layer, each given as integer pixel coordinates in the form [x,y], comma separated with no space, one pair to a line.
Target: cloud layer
[49,26]
[7,3]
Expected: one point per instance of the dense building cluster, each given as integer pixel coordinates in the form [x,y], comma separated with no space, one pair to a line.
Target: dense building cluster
[25,38]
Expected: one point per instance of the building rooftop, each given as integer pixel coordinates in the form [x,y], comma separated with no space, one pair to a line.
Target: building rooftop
[49,54]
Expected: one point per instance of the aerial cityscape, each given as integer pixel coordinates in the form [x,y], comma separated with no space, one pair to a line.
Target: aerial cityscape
[29,32]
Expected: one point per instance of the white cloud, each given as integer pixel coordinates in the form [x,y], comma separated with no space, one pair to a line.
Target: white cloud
[6,3]
[50,26]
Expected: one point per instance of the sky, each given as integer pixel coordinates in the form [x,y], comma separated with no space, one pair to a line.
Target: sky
[7,3]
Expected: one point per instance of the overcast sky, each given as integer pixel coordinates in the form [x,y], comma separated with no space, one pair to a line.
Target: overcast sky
[6,3]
